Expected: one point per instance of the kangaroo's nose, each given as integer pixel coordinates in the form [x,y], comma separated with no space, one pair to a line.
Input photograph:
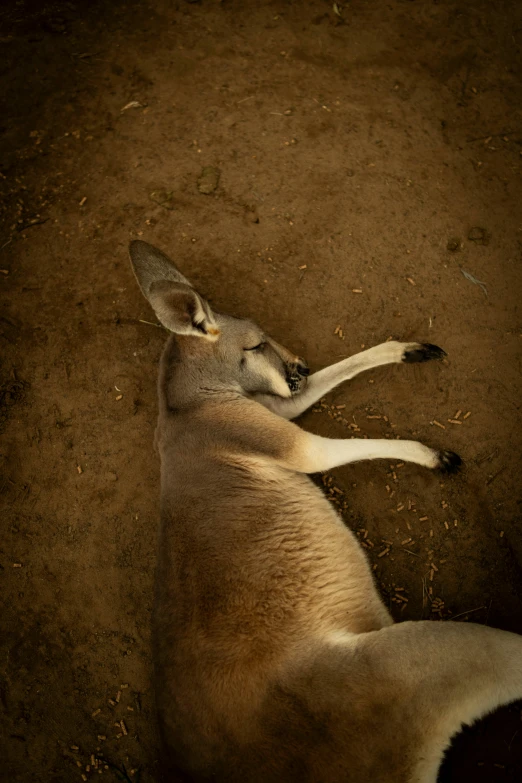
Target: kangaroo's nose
[302,368]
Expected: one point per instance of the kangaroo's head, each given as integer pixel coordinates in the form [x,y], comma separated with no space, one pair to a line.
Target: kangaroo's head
[216,351]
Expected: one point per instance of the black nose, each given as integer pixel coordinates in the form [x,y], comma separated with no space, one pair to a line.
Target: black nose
[303,370]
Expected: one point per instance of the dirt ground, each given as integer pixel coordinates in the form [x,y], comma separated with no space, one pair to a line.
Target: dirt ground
[369,158]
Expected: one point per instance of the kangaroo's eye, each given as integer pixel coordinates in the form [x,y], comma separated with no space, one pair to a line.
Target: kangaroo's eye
[257,347]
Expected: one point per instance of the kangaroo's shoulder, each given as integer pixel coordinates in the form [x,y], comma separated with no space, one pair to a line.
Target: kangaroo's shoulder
[241,425]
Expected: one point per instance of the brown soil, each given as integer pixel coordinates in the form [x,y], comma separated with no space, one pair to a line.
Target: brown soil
[370,147]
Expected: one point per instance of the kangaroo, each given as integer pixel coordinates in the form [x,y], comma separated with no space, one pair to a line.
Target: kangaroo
[275,659]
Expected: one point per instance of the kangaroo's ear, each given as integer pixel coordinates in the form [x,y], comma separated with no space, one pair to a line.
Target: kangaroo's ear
[177,305]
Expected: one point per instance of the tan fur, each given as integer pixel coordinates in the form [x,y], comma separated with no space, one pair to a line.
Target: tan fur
[275,658]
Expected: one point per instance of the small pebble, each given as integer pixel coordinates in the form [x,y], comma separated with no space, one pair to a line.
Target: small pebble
[208,180]
[454,245]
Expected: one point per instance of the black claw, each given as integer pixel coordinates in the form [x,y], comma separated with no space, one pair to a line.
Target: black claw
[449,462]
[424,353]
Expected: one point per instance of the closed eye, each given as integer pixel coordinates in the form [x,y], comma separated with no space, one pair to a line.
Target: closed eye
[257,347]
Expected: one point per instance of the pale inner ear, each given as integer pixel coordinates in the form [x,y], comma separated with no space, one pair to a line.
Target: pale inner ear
[181,310]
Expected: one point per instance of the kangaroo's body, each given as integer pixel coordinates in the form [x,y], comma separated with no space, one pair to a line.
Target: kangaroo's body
[275,658]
